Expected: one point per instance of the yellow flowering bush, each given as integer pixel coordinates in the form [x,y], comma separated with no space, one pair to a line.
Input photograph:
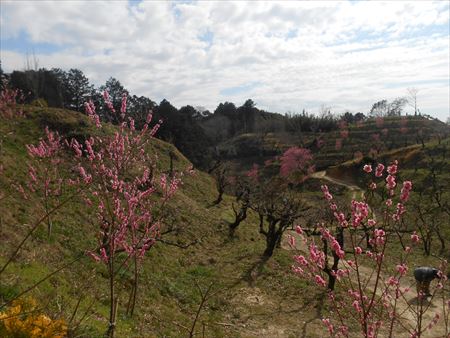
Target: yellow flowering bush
[22,320]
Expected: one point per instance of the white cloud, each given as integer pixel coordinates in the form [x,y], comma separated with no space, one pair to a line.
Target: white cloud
[302,54]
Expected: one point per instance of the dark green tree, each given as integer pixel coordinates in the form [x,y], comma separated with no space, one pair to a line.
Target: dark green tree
[138,108]
[115,91]
[247,116]
[37,84]
[78,88]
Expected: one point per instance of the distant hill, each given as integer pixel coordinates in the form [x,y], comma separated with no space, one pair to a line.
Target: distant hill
[368,138]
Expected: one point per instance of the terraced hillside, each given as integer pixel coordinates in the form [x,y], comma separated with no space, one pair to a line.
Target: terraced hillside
[368,138]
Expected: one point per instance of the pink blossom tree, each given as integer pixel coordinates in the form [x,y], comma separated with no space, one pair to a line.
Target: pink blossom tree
[297,162]
[128,194]
[270,192]
[117,176]
[376,291]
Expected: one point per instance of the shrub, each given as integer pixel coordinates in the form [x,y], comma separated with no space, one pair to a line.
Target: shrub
[24,320]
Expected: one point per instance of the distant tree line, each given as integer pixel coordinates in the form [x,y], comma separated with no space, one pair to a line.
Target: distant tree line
[71,89]
[194,131]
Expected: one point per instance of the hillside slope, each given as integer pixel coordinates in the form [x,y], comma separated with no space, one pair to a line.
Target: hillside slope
[368,138]
[168,297]
[249,297]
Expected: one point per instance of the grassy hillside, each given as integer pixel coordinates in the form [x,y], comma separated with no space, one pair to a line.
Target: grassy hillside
[241,304]
[248,298]
[368,138]
[428,167]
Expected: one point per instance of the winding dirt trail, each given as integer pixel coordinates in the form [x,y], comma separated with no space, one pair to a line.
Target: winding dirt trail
[407,305]
[354,188]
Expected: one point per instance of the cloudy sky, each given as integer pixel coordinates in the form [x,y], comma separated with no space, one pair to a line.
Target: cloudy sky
[286,56]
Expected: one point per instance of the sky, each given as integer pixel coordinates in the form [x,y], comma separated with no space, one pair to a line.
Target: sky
[285,56]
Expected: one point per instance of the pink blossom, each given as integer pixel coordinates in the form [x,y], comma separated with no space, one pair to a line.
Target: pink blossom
[415,238]
[320,281]
[326,192]
[367,168]
[379,170]
[94,256]
[351,263]
[372,186]
[337,248]
[103,255]
[340,273]
[379,236]
[108,101]
[341,219]
[392,169]
[32,173]
[301,260]
[406,189]
[299,230]
[46,148]
[253,173]
[298,270]
[358,250]
[317,256]
[292,241]
[123,107]
[399,212]
[360,211]
[390,181]
[295,160]
[357,306]
[328,324]
[402,269]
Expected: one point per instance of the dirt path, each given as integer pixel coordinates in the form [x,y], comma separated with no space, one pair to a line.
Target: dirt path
[353,188]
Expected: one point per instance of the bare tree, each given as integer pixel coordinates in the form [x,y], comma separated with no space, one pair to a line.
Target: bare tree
[242,193]
[412,98]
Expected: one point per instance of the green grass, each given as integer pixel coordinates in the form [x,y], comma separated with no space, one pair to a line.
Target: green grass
[240,306]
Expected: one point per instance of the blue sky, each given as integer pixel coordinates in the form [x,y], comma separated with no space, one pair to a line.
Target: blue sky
[286,56]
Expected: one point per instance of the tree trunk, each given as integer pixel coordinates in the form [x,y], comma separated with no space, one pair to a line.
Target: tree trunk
[219,199]
[239,217]
[272,238]
[113,301]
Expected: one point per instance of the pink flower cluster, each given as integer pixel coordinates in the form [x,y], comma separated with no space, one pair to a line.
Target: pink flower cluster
[296,160]
[46,148]
[360,211]
[367,168]
[127,224]
[406,189]
[326,193]
[335,246]
[108,101]
[253,173]
[379,170]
